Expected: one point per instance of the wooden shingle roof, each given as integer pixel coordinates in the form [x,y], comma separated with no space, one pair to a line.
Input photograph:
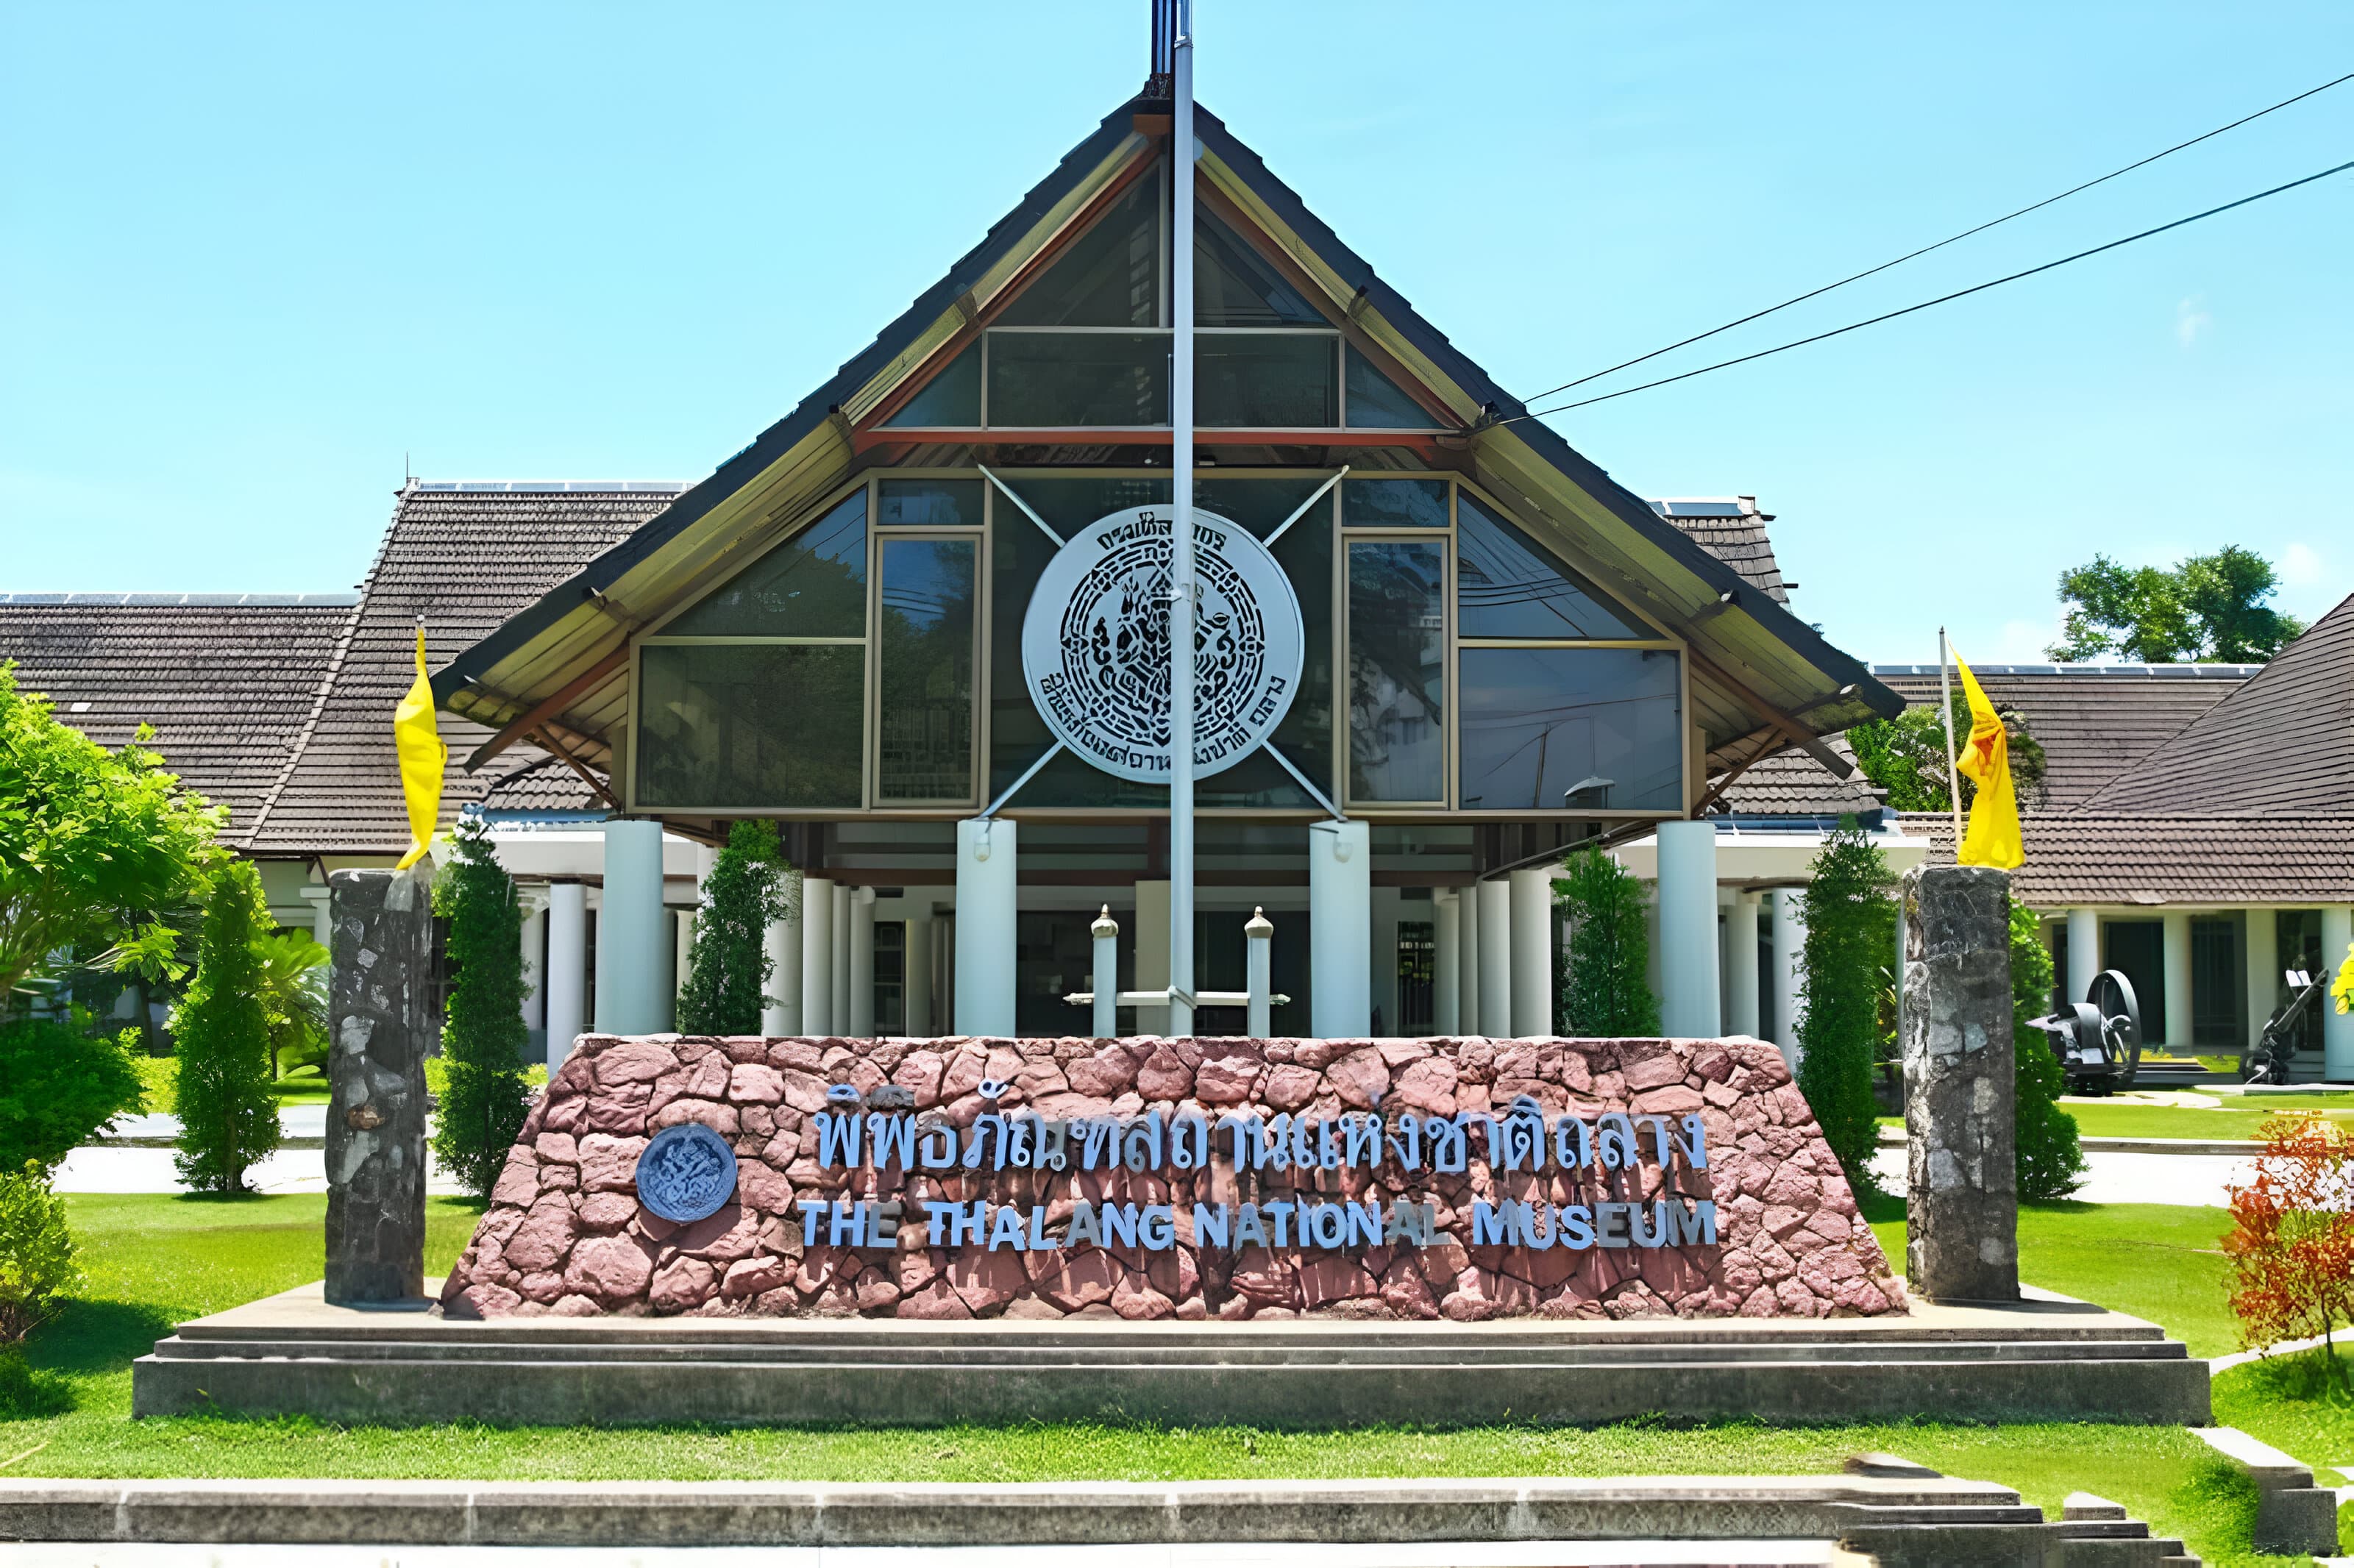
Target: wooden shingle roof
[2077,858]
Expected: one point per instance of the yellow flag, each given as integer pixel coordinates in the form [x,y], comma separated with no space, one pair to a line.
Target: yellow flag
[1993,838]
[417,737]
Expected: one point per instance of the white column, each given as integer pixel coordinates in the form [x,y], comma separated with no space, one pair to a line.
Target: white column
[1741,966]
[1446,960]
[781,1012]
[817,956]
[1381,953]
[568,968]
[862,963]
[1532,976]
[1103,975]
[1151,952]
[322,921]
[534,903]
[1340,930]
[2264,971]
[632,936]
[1495,896]
[682,931]
[1258,974]
[1468,961]
[1689,1003]
[986,907]
[2178,980]
[1651,936]
[2084,952]
[840,961]
[916,984]
[2337,1028]
[1789,971]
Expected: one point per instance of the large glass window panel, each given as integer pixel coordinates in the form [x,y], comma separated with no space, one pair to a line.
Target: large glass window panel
[1549,728]
[1509,587]
[813,584]
[1262,505]
[754,725]
[1393,503]
[1234,285]
[1049,378]
[1110,276]
[1266,380]
[928,502]
[1378,402]
[1398,669]
[924,638]
[951,398]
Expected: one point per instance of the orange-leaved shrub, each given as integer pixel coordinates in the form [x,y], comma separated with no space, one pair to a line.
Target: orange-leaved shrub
[2292,1241]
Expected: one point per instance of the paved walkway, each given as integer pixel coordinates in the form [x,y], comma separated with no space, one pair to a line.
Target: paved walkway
[2191,1181]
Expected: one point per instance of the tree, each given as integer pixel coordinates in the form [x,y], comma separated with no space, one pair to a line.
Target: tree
[59,1084]
[2204,606]
[1849,953]
[2292,1242]
[94,845]
[228,1115]
[728,967]
[1906,757]
[37,1253]
[485,1097]
[291,982]
[1606,991]
[2049,1158]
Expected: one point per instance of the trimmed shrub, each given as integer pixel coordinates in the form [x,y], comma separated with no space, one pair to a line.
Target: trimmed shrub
[1849,959]
[484,1099]
[1607,991]
[229,1117]
[59,1085]
[37,1253]
[2050,1159]
[728,967]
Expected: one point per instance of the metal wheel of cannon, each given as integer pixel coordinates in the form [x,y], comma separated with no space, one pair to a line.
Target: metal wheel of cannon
[2097,1040]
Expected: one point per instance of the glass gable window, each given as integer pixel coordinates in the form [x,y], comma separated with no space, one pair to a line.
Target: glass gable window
[927,503]
[1107,277]
[951,398]
[1508,587]
[1378,402]
[924,640]
[760,726]
[1053,378]
[1564,728]
[1235,286]
[1393,503]
[813,584]
[1269,380]
[1397,662]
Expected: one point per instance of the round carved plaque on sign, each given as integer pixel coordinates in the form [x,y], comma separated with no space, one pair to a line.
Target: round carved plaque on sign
[1095,643]
[687,1172]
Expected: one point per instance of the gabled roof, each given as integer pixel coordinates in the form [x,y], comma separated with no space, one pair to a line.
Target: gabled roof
[227,681]
[464,556]
[1732,529]
[1754,659]
[2076,858]
[2280,746]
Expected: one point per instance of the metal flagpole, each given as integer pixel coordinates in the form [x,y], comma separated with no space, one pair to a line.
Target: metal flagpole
[1953,755]
[1180,555]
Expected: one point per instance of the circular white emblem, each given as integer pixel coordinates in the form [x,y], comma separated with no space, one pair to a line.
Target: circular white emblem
[1095,643]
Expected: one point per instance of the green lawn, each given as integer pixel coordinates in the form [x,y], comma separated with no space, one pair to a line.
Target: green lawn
[2112,1119]
[155,1260]
[2299,1406]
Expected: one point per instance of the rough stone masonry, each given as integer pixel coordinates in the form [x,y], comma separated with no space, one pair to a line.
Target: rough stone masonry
[381,1030]
[566,1235]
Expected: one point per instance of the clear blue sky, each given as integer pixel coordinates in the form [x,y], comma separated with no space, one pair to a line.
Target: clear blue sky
[251,255]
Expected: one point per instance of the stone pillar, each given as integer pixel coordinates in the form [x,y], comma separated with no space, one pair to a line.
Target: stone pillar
[817,956]
[2084,952]
[1495,898]
[1691,1004]
[1340,930]
[1789,971]
[916,984]
[1468,920]
[986,910]
[379,1011]
[1532,978]
[633,938]
[1446,960]
[568,968]
[781,1012]
[1741,1009]
[2178,980]
[1151,952]
[862,963]
[2337,1028]
[2264,971]
[1962,1175]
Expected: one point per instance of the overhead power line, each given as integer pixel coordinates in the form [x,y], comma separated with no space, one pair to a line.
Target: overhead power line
[1925,305]
[1949,240]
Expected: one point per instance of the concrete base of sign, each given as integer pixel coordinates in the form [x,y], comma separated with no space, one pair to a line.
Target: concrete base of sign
[2042,1360]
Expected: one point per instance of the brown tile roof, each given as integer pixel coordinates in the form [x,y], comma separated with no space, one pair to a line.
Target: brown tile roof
[1732,529]
[2078,858]
[2280,746]
[465,557]
[1793,784]
[227,679]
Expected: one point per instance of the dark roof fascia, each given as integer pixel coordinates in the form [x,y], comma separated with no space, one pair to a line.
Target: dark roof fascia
[1580,471]
[780,438]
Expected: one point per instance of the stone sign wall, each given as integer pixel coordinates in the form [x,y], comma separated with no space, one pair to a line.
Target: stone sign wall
[1189,1178]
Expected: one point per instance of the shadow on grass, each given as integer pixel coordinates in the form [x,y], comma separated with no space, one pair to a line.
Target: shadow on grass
[29,1395]
[94,1337]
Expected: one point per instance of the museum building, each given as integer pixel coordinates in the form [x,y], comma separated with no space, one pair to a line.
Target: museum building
[921,622]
